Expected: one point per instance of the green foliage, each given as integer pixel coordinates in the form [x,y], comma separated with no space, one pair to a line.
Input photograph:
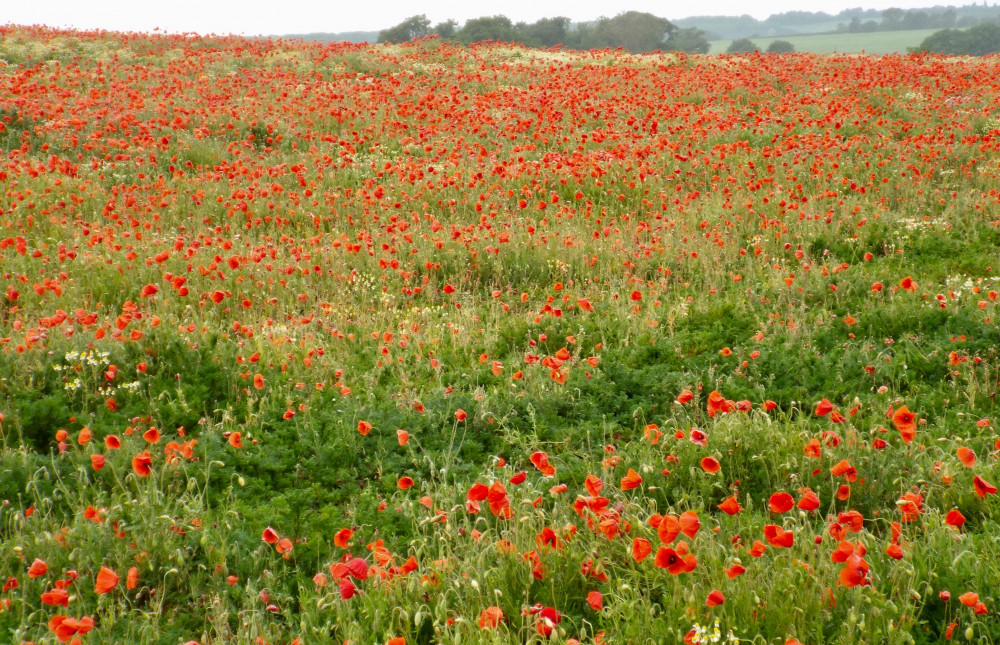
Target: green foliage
[742,46]
[498,28]
[546,32]
[980,40]
[690,40]
[413,27]
[16,129]
[636,31]
[780,47]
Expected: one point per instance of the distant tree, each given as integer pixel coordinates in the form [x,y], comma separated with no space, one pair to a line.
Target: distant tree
[946,18]
[780,47]
[691,40]
[487,28]
[547,32]
[404,32]
[892,18]
[741,46]
[916,20]
[445,29]
[583,36]
[980,40]
[636,31]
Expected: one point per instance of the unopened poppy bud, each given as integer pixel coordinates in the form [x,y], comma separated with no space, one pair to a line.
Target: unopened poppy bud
[969,633]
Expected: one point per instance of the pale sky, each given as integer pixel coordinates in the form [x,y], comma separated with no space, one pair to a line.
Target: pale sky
[256,17]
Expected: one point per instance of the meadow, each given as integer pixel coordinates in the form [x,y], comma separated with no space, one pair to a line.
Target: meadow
[310,343]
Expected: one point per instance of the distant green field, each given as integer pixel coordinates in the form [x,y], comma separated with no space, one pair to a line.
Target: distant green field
[879,42]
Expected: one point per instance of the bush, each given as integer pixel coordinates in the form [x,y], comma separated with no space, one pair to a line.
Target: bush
[742,46]
[780,47]
[980,40]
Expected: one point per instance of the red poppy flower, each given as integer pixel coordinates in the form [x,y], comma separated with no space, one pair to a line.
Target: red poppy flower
[966,456]
[106,581]
[269,535]
[905,422]
[855,571]
[593,484]
[710,464]
[780,503]
[490,618]
[631,480]
[37,569]
[404,482]
[97,462]
[730,506]
[735,571]
[343,537]
[845,469]
[676,561]
[548,618]
[57,596]
[690,523]
[667,558]
[668,529]
[777,536]
[347,588]
[641,548]
[541,462]
[954,518]
[714,598]
[142,464]
[969,598]
[983,487]
[809,500]
[596,600]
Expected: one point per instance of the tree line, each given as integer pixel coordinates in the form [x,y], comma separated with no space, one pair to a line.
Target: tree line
[635,31]
[981,40]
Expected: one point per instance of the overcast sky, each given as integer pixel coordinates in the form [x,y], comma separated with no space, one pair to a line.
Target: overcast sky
[253,17]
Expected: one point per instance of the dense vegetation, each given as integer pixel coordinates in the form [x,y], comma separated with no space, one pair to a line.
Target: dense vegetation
[633,31]
[980,40]
[691,32]
[429,343]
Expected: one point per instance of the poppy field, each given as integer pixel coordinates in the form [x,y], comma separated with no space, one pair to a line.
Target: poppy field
[426,343]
